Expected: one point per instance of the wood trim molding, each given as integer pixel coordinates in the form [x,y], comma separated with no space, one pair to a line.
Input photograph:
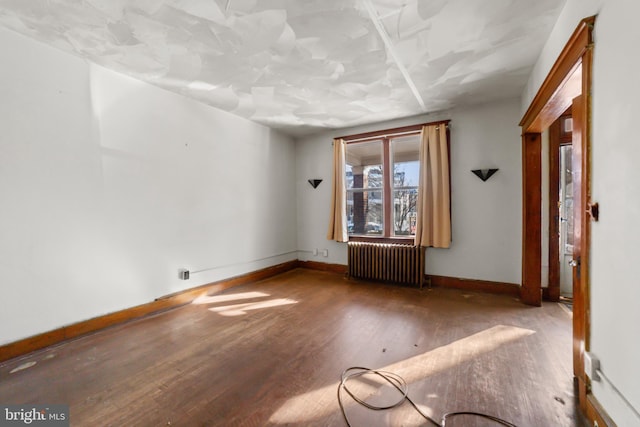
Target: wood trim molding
[56,336]
[595,412]
[558,137]
[584,307]
[321,266]
[530,292]
[388,178]
[572,53]
[551,294]
[567,85]
[487,286]
[552,291]
[390,132]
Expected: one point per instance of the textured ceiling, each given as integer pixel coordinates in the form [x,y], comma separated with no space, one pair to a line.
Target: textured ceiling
[303,65]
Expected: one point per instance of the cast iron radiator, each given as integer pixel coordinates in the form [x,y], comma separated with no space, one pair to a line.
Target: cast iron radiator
[386,262]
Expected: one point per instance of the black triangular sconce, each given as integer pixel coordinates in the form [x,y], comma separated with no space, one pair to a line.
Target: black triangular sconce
[315,182]
[484,174]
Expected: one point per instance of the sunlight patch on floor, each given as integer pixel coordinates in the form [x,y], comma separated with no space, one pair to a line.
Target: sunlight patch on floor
[214,299]
[322,402]
[240,309]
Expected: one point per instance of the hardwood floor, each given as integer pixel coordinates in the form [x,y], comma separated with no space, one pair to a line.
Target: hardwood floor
[271,354]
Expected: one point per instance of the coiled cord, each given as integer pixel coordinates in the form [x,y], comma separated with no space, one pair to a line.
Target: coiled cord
[401,385]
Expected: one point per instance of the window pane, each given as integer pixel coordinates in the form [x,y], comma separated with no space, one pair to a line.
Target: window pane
[406,160]
[405,153]
[404,212]
[364,165]
[566,199]
[364,212]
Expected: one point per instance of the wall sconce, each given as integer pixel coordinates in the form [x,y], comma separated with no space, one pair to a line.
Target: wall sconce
[315,182]
[484,174]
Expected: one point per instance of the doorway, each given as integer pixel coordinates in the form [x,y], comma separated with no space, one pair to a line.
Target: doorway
[560,204]
[567,87]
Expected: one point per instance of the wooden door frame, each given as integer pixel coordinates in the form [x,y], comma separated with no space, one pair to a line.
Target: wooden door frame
[569,77]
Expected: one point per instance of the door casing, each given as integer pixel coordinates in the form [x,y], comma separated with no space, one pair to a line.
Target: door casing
[568,85]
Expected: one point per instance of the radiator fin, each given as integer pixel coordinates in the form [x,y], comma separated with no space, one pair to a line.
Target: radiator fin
[386,262]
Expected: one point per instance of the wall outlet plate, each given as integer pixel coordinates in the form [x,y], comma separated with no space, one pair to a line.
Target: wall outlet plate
[591,366]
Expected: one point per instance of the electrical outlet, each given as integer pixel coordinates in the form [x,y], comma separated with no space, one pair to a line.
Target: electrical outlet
[591,366]
[325,252]
[315,252]
[183,274]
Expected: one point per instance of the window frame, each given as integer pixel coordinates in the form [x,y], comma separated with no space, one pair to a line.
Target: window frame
[385,136]
[371,189]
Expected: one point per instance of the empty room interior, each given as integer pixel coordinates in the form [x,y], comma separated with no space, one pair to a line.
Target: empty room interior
[319,212]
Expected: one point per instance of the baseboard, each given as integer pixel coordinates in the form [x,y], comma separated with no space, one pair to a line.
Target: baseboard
[56,336]
[595,412]
[475,285]
[314,265]
[442,281]
[551,293]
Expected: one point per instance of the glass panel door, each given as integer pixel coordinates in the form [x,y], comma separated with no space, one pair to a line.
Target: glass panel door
[566,220]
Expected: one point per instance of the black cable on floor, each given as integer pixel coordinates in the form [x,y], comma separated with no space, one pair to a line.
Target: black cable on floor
[401,385]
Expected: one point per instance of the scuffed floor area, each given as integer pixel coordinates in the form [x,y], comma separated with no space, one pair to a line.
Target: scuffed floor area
[271,354]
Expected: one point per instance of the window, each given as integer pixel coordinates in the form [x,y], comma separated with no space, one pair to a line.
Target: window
[382,185]
[378,181]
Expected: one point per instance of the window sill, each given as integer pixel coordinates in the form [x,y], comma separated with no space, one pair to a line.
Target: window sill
[371,239]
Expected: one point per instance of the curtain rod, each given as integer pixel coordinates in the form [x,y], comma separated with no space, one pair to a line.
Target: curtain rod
[382,136]
[390,132]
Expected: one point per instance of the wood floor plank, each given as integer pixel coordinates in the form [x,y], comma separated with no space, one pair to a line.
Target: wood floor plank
[271,353]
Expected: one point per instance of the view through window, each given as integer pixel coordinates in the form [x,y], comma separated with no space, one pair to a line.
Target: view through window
[382,185]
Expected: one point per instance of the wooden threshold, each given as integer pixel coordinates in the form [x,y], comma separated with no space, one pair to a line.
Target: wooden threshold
[56,336]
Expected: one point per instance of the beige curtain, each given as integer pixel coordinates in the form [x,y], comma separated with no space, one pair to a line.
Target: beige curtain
[433,211]
[338,217]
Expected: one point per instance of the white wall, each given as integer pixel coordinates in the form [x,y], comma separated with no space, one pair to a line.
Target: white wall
[616,186]
[572,13]
[109,186]
[486,216]
[615,293]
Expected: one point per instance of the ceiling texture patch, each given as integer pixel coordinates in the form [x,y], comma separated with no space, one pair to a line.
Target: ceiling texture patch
[303,66]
